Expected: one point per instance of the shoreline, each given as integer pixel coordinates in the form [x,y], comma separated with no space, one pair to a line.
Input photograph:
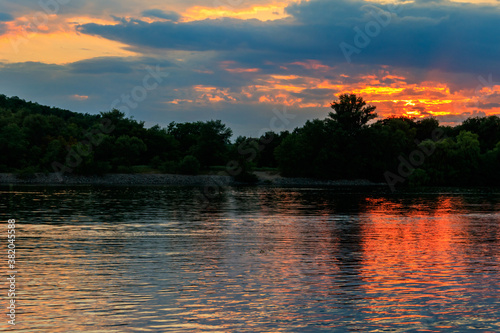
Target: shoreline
[170,179]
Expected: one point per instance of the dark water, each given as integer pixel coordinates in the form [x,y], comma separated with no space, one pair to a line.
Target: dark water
[138,259]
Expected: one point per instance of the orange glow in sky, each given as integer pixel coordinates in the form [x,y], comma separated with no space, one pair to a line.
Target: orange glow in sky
[302,84]
[58,48]
[56,42]
[429,98]
[272,11]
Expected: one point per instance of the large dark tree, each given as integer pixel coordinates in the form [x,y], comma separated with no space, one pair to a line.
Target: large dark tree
[207,141]
[351,113]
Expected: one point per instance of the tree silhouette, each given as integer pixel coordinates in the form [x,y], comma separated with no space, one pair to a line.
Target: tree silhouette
[34,138]
[351,113]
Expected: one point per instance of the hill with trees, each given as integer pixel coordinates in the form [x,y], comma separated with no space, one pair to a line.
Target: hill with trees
[347,144]
[35,138]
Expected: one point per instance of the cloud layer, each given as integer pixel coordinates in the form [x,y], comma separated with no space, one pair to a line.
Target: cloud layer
[418,58]
[429,35]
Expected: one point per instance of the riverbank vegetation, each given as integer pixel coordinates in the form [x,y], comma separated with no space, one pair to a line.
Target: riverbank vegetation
[350,143]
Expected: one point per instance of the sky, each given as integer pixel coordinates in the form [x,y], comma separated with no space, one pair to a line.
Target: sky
[245,62]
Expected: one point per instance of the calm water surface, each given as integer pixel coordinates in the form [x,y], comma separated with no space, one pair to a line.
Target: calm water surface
[154,259]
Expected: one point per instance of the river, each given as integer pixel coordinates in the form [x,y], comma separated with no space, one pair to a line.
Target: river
[252,259]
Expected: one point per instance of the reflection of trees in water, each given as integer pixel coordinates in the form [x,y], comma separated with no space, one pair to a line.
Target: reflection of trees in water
[289,252]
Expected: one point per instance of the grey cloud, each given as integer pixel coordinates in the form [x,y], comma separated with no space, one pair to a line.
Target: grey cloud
[57,85]
[157,13]
[459,118]
[487,106]
[316,95]
[101,66]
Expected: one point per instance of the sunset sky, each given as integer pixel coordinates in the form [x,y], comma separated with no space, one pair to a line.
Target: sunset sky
[238,60]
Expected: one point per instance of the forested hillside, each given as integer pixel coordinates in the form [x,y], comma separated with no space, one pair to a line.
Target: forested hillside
[36,138]
[348,144]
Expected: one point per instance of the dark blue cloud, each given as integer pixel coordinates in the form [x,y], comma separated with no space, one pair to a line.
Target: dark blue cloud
[425,34]
[101,66]
[220,35]
[5,17]
[158,13]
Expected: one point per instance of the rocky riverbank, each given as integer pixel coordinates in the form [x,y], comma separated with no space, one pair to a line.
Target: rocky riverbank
[170,179]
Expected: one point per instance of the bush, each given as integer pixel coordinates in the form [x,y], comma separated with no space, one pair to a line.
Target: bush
[419,177]
[189,165]
[124,169]
[27,173]
[168,167]
[156,162]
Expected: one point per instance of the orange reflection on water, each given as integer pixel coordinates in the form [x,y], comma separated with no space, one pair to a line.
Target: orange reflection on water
[410,253]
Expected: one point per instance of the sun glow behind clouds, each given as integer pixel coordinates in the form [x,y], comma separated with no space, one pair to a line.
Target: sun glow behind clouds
[272,11]
[56,42]
[390,92]
[58,48]
[414,100]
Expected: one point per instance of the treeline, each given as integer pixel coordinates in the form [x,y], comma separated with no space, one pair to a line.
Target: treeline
[36,138]
[396,150]
[348,144]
